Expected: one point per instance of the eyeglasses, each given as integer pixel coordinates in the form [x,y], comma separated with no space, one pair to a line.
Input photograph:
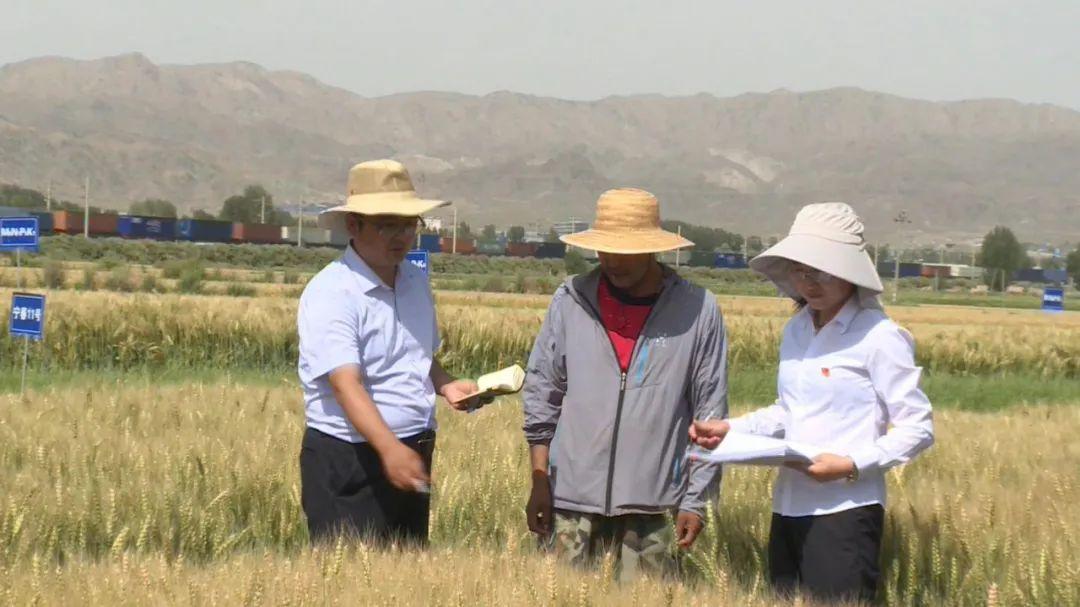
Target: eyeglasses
[393,229]
[811,275]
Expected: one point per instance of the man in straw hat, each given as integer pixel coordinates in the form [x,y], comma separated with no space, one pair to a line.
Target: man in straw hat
[627,356]
[367,341]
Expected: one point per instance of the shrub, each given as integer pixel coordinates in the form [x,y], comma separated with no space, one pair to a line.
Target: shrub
[52,275]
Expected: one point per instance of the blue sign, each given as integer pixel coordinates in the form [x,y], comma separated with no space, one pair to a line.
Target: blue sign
[1053,300]
[19,233]
[27,315]
[420,259]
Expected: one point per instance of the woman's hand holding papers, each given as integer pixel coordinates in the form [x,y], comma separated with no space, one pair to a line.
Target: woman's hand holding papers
[709,433]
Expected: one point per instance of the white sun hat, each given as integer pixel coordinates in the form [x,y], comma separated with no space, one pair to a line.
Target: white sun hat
[826,236]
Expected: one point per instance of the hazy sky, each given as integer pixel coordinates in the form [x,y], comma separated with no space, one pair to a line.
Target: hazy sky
[940,49]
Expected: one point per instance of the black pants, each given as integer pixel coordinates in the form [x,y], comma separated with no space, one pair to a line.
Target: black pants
[832,557]
[343,490]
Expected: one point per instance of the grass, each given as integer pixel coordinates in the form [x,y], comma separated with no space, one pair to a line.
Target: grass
[150,493]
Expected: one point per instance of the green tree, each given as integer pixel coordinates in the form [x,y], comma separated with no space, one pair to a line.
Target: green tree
[575,262]
[705,238]
[488,233]
[464,232]
[754,245]
[552,236]
[1001,254]
[516,234]
[1072,266]
[153,207]
[201,214]
[23,198]
[248,207]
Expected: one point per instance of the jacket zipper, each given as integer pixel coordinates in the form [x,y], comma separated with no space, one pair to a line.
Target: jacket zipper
[622,392]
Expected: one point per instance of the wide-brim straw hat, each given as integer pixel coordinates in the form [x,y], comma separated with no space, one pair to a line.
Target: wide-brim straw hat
[827,236]
[379,187]
[627,223]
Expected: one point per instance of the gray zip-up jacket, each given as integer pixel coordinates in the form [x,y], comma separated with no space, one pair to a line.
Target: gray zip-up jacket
[618,440]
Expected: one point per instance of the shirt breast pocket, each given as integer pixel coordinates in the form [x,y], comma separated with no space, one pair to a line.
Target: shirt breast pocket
[845,385]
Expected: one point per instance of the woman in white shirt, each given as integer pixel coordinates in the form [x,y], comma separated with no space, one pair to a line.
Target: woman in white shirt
[847,384]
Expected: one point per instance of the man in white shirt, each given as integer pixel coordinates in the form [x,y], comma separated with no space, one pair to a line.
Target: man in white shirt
[368,335]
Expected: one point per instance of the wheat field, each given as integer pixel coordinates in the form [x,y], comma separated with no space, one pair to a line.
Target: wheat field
[134,493]
[114,330]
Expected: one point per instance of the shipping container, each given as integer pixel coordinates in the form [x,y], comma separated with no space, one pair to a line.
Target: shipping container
[157,228]
[204,230]
[71,222]
[256,233]
[730,261]
[45,218]
[491,248]
[310,236]
[933,270]
[430,243]
[696,259]
[551,250]
[465,246]
[887,269]
[1041,276]
[521,249]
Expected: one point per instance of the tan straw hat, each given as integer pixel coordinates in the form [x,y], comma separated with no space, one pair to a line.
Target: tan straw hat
[827,236]
[379,187]
[627,222]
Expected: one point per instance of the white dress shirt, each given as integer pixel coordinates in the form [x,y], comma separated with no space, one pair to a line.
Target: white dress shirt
[851,388]
[349,316]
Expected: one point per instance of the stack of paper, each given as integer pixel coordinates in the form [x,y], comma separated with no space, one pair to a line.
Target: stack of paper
[750,449]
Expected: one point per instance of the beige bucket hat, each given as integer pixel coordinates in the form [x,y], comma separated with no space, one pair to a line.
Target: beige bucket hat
[827,236]
[379,187]
[628,223]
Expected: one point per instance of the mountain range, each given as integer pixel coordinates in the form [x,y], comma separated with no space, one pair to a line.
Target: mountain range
[195,134]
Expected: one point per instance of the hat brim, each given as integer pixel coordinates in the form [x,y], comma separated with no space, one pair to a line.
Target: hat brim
[844,261]
[401,205]
[627,243]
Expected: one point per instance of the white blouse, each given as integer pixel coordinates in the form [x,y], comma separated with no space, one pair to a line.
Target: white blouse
[851,388]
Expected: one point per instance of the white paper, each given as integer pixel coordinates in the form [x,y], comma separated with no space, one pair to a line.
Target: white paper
[754,450]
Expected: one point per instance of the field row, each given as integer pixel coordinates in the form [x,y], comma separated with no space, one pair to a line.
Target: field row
[108,330]
[160,494]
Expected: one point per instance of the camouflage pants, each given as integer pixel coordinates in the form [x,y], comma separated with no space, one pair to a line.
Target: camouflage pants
[639,543]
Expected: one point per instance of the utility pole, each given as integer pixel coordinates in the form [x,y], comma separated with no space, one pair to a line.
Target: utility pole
[262,211]
[300,225]
[86,208]
[900,219]
[48,197]
[453,244]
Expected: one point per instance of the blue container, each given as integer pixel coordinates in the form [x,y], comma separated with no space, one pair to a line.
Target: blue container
[430,243]
[1041,276]
[44,218]
[156,228]
[204,230]
[44,221]
[730,261]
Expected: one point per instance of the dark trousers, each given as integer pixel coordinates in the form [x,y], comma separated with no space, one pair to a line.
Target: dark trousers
[832,557]
[343,490]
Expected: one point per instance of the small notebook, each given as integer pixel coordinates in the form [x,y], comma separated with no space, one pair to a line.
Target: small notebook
[499,383]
